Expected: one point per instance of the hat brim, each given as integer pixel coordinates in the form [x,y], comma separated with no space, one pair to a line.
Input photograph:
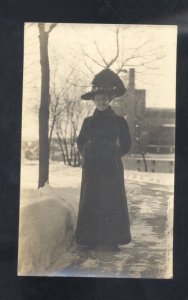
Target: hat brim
[91,95]
[88,96]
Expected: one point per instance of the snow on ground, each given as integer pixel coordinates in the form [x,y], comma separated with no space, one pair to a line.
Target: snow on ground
[48,220]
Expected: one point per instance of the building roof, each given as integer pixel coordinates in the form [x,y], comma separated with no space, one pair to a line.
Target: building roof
[152,109]
[168,125]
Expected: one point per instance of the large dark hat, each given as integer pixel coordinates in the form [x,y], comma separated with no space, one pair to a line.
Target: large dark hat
[106,82]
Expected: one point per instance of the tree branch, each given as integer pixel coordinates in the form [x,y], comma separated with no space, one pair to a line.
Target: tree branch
[95,61]
[51,27]
[104,61]
[117,50]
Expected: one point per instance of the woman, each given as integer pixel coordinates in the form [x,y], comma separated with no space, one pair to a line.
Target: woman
[104,138]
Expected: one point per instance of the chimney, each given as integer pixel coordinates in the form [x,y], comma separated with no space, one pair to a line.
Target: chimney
[132,79]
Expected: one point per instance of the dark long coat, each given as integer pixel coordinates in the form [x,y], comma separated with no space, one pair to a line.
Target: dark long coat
[103,214]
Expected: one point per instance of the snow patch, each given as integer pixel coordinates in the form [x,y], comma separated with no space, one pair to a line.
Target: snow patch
[46,230]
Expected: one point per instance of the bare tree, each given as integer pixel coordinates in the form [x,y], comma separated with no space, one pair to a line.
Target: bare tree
[58,102]
[66,113]
[102,61]
[44,105]
[67,130]
[140,141]
[142,55]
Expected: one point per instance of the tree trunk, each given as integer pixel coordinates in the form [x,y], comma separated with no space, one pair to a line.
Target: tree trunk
[44,109]
[143,155]
[145,163]
[61,147]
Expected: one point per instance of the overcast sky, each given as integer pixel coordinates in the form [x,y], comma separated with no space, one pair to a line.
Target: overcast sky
[151,49]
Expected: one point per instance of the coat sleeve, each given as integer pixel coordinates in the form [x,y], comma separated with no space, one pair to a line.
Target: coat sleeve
[124,137]
[83,136]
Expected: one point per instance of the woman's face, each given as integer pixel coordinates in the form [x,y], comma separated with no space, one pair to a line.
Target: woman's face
[101,101]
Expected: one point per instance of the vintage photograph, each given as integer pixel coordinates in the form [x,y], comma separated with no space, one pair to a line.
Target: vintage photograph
[98,150]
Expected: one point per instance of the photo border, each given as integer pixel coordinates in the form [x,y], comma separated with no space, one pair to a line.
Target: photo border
[11,93]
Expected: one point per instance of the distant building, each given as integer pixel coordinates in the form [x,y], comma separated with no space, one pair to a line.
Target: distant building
[155,126]
[161,133]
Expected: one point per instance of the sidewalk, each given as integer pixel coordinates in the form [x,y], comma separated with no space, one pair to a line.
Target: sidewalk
[150,253]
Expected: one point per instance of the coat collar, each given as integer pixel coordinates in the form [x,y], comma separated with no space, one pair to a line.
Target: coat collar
[107,112]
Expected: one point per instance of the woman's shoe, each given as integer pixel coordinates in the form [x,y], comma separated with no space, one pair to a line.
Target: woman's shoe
[110,247]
